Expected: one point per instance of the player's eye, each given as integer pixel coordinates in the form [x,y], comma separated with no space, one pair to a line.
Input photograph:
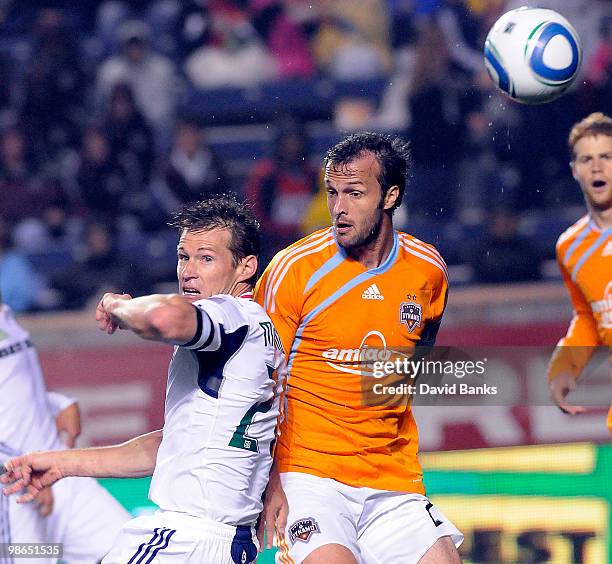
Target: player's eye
[206,258]
[182,257]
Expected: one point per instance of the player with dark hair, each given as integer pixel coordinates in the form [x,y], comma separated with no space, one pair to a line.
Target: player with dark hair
[584,254]
[391,153]
[211,461]
[349,468]
[79,514]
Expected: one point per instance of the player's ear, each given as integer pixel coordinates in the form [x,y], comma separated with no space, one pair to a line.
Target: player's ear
[247,268]
[391,197]
[573,167]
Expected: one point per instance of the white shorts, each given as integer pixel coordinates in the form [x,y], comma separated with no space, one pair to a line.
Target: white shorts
[377,526]
[169,537]
[85,520]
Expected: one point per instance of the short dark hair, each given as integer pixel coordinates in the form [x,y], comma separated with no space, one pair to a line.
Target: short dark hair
[391,152]
[223,211]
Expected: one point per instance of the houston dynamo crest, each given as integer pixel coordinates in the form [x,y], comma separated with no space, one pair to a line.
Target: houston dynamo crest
[411,314]
[303,529]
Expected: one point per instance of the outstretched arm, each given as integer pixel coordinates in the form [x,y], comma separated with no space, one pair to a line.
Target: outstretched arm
[160,317]
[38,470]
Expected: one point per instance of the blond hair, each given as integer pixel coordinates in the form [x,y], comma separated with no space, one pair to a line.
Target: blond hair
[597,123]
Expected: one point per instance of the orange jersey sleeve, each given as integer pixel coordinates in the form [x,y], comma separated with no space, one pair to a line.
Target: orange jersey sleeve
[584,254]
[328,309]
[575,349]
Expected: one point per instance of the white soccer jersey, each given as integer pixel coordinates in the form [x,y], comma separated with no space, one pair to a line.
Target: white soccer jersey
[26,422]
[222,403]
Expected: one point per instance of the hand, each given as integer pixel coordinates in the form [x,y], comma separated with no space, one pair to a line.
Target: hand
[45,502]
[35,472]
[68,423]
[273,518]
[104,317]
[560,387]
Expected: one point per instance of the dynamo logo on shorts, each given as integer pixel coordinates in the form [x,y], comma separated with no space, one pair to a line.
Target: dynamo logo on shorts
[303,529]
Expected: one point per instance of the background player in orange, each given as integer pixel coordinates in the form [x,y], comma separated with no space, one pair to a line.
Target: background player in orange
[584,253]
[349,468]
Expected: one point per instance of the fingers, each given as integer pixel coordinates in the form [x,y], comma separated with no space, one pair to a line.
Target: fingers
[106,324]
[32,469]
[16,476]
[571,409]
[14,488]
[103,319]
[558,395]
[560,387]
[16,469]
[45,501]
[260,533]
[281,518]
[270,531]
[275,522]
[45,509]
[29,496]
[277,525]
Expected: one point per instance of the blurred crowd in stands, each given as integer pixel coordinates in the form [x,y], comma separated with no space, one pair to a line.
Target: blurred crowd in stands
[114,113]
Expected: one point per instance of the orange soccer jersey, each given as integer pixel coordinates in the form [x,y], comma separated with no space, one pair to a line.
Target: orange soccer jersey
[326,308]
[584,253]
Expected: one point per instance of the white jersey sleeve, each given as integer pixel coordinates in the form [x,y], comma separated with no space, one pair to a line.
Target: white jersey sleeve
[58,402]
[208,332]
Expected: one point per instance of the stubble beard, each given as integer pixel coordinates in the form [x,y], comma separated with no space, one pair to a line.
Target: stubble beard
[365,236]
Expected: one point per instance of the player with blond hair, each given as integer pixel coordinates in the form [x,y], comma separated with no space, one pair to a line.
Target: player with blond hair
[584,254]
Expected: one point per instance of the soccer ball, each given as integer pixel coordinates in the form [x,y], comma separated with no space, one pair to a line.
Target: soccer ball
[533,55]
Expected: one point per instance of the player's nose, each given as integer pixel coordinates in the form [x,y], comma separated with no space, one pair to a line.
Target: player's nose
[339,206]
[596,164]
[189,270]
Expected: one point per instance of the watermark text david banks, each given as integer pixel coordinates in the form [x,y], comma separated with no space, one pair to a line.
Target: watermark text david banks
[454,389]
[469,376]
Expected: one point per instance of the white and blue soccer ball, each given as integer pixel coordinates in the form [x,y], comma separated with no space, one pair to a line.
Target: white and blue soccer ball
[533,55]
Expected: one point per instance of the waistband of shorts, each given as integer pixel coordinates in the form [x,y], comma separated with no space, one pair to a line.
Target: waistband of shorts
[202,525]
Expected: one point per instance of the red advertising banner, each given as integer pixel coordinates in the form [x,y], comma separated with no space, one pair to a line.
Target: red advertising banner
[121,392]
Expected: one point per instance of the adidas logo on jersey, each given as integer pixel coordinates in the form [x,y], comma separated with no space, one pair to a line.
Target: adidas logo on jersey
[607,250]
[372,293]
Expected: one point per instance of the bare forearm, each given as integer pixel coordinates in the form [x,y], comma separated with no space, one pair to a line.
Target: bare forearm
[132,459]
[569,360]
[169,318]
